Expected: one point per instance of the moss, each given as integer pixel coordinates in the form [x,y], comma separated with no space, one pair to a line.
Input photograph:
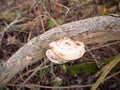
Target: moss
[86,69]
[83,69]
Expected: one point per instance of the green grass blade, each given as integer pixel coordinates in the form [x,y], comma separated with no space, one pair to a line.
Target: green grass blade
[107,69]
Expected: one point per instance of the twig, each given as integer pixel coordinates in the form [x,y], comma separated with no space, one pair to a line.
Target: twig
[36,4]
[17,7]
[38,68]
[30,72]
[49,14]
[64,7]
[107,78]
[12,23]
[97,47]
[42,22]
[98,64]
[50,87]
[52,69]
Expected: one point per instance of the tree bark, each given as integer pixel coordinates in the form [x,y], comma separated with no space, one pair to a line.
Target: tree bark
[92,30]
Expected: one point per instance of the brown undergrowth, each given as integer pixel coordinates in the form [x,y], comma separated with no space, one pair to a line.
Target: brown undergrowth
[25,19]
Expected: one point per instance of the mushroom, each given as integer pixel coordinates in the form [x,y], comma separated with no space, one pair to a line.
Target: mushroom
[64,50]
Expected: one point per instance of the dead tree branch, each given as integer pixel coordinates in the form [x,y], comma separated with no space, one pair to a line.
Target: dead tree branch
[93,30]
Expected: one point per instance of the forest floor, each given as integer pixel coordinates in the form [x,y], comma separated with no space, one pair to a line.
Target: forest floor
[21,20]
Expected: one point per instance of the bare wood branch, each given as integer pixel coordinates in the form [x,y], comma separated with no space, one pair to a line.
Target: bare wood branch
[93,30]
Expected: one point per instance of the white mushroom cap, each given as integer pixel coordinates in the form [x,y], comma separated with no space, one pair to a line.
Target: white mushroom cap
[65,50]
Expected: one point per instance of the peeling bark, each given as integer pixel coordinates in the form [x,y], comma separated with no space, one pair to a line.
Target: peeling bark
[92,30]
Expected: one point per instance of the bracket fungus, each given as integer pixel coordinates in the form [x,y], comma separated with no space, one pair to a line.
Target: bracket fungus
[65,50]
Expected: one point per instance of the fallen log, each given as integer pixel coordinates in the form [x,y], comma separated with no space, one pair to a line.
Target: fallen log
[92,30]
